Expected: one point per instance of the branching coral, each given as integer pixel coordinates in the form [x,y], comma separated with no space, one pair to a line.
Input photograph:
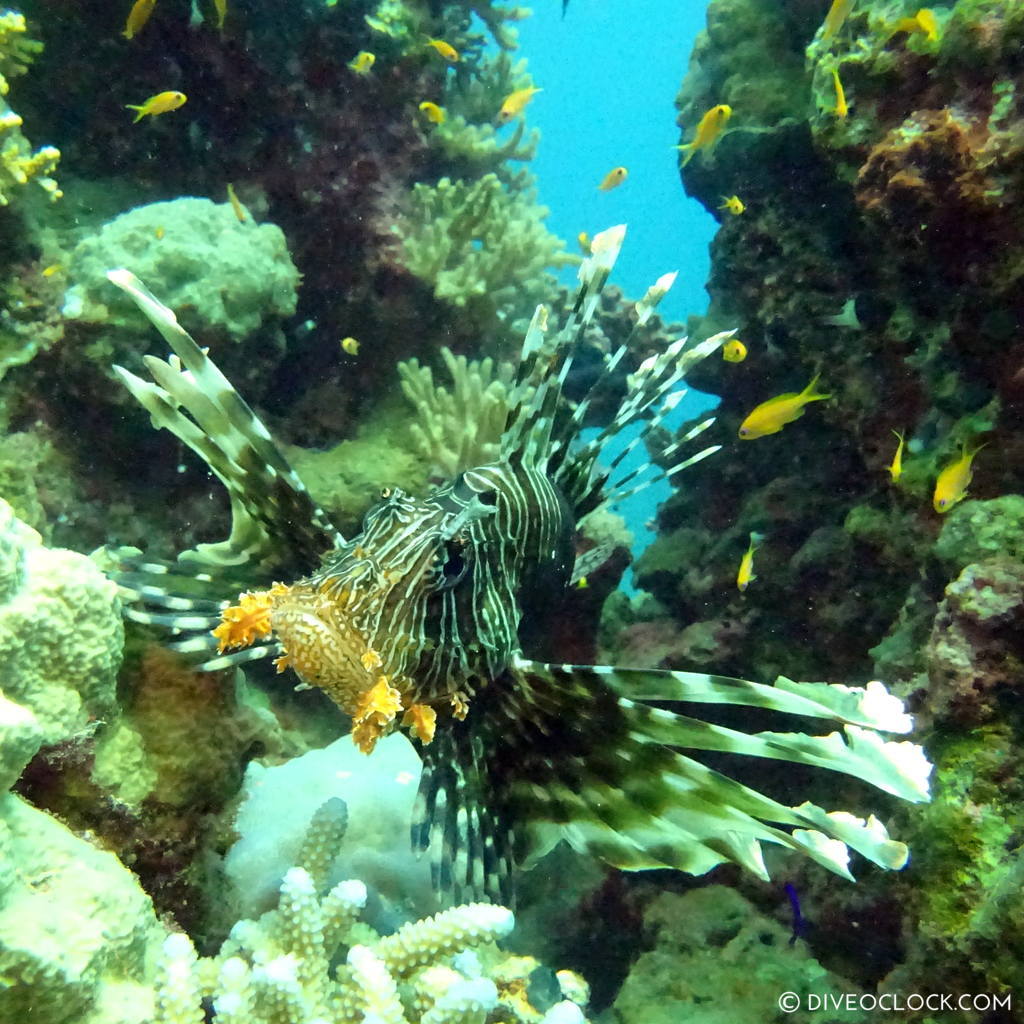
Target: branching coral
[461,427]
[18,164]
[480,244]
[277,970]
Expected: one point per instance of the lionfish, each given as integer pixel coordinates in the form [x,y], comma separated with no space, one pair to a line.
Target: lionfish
[425,620]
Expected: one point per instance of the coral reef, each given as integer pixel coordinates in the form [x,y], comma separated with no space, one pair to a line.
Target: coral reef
[18,163]
[60,632]
[276,969]
[461,427]
[715,959]
[225,277]
[480,246]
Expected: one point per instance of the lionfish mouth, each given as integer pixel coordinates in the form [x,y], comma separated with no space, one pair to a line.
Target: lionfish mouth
[321,643]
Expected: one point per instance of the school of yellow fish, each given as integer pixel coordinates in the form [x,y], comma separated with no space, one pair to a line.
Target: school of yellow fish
[773,414]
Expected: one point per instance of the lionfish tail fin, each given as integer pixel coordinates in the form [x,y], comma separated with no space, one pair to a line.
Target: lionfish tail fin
[581,751]
[274,521]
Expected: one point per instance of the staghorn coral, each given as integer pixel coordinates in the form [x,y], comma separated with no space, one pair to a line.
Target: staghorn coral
[18,163]
[481,245]
[276,970]
[461,426]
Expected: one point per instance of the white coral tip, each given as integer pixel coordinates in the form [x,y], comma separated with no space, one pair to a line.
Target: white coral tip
[884,710]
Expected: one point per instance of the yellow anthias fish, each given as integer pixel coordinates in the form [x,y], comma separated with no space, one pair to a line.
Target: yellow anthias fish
[515,103]
[236,205]
[745,576]
[159,232]
[841,109]
[137,17]
[733,204]
[432,112]
[734,351]
[771,416]
[924,22]
[896,466]
[446,50]
[710,129]
[350,346]
[583,240]
[52,269]
[362,62]
[221,7]
[615,177]
[952,483]
[837,14]
[161,103]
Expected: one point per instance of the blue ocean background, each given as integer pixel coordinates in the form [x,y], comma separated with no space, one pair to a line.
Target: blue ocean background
[610,71]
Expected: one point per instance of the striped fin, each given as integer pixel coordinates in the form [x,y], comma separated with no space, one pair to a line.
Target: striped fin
[273,518]
[274,522]
[575,750]
[546,361]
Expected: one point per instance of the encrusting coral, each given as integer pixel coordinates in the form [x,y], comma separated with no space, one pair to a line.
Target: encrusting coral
[60,631]
[277,969]
[18,164]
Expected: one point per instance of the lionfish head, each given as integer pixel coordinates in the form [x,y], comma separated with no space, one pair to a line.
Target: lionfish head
[357,626]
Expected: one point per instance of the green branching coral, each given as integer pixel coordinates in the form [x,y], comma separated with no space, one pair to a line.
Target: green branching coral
[461,427]
[480,244]
[469,140]
[18,164]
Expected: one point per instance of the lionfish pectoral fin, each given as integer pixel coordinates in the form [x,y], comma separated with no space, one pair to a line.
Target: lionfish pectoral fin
[616,776]
[273,518]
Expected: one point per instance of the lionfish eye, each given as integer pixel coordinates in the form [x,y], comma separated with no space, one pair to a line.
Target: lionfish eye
[386,492]
[454,567]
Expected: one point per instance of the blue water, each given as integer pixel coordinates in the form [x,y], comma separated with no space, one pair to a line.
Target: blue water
[610,75]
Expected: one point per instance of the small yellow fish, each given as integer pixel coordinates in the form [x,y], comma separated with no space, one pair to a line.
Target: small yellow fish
[745,576]
[841,109]
[446,50]
[221,7]
[924,22]
[733,204]
[161,103]
[52,269]
[710,129]
[952,483]
[615,177]
[771,416]
[137,17]
[582,583]
[236,205]
[584,241]
[362,62]
[837,14]
[515,103]
[432,112]
[734,351]
[896,466]
[159,232]
[350,346]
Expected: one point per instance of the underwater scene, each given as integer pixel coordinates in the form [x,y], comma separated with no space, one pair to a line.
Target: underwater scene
[511,516]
